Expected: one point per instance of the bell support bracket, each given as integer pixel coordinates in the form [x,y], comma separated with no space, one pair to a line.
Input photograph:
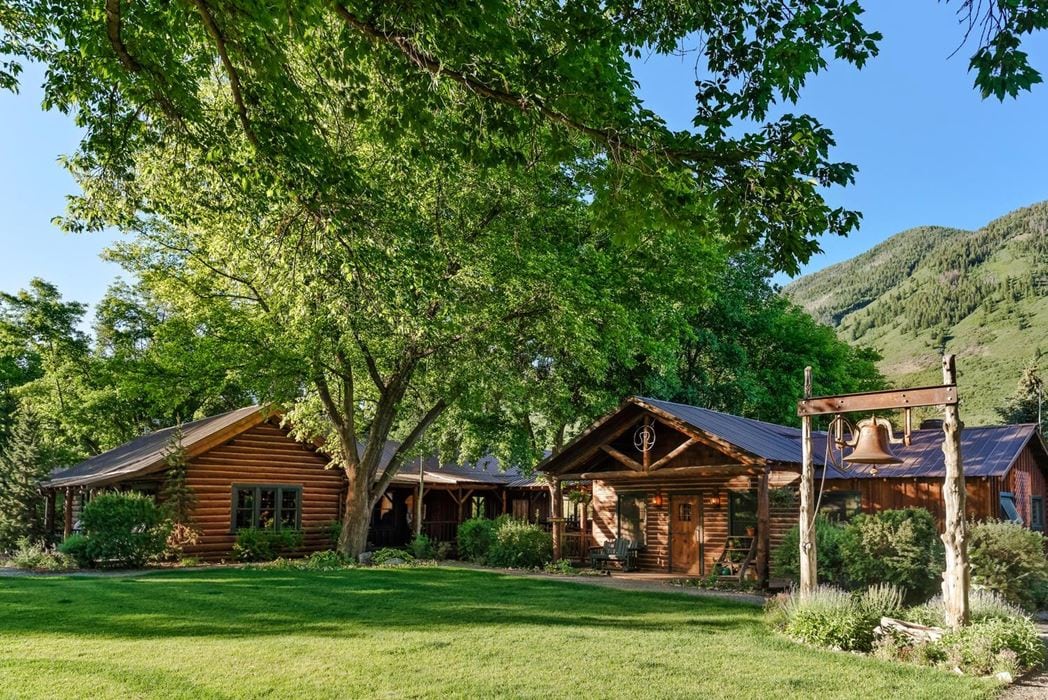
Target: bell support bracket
[891,399]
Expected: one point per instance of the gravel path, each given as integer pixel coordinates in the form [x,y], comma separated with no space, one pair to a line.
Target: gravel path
[624,582]
[1031,686]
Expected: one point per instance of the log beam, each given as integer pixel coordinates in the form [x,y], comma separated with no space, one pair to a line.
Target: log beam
[557,508]
[623,459]
[808,565]
[672,454]
[67,507]
[763,527]
[956,578]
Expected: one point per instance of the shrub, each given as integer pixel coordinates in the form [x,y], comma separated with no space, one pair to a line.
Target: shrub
[785,561]
[994,645]
[421,547]
[76,546]
[882,600]
[34,556]
[1008,558]
[520,545]
[265,544]
[334,532]
[982,605]
[829,617]
[901,547]
[388,554]
[119,529]
[328,560]
[475,537]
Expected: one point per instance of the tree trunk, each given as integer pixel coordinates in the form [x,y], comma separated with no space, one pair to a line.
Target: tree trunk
[356,517]
[955,580]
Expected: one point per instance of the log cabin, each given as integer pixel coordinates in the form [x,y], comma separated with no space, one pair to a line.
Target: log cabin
[246,470]
[701,492]
[1004,471]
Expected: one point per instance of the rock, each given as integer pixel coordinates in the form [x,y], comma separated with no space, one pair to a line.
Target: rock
[365,558]
[914,632]
[1004,677]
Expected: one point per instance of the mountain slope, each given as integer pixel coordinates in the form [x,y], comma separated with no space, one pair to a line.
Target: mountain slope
[982,295]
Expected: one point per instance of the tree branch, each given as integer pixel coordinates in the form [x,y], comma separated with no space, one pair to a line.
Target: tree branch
[114,32]
[608,138]
[408,443]
[231,72]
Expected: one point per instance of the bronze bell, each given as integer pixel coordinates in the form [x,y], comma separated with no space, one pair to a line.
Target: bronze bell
[873,443]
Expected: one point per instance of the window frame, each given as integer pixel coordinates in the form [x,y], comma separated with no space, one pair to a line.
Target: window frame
[256,503]
[733,494]
[642,528]
[1009,497]
[843,496]
[1037,514]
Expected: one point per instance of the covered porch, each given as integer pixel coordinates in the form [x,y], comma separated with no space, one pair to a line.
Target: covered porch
[691,489]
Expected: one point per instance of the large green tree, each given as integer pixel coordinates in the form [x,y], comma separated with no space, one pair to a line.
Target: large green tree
[1027,404]
[417,301]
[24,462]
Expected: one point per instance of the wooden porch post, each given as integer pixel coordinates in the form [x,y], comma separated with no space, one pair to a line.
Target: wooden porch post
[68,508]
[809,574]
[503,501]
[49,514]
[955,580]
[557,512]
[418,500]
[763,527]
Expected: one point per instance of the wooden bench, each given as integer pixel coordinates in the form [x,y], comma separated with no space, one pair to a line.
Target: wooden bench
[620,551]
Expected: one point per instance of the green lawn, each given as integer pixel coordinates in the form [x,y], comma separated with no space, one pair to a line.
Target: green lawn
[424,632]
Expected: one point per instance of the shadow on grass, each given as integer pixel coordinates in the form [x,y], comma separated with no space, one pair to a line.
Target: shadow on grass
[242,602]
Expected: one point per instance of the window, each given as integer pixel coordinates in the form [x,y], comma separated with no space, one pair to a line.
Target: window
[478,507]
[1008,509]
[633,517]
[840,506]
[1037,513]
[265,505]
[742,511]
[684,512]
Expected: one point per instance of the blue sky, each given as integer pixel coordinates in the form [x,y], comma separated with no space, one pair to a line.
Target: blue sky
[929,149]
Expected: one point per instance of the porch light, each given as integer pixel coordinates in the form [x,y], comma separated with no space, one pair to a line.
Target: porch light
[658,500]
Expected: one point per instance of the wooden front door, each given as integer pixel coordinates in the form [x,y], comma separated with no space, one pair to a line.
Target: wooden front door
[685,534]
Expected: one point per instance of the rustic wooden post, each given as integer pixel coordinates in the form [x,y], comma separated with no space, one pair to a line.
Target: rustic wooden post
[49,514]
[67,506]
[584,527]
[763,527]
[418,500]
[955,580]
[809,572]
[557,510]
[503,501]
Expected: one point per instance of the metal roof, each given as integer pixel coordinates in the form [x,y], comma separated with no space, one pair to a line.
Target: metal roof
[775,443]
[147,451]
[485,471]
[985,451]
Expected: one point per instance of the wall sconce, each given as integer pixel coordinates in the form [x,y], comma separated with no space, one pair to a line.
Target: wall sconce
[658,500]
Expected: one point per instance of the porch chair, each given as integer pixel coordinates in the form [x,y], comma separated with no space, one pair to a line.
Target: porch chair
[620,550]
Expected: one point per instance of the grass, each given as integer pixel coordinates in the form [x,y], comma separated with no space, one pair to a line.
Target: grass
[405,633]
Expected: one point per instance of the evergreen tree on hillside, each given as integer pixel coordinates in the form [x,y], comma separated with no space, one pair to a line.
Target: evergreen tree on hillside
[1026,404]
[23,465]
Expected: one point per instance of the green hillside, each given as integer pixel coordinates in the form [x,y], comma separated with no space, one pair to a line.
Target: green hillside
[982,295]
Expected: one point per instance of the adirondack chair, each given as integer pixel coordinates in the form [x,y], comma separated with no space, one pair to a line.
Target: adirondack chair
[620,551]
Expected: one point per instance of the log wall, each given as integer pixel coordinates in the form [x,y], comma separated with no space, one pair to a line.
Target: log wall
[713,491]
[265,454]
